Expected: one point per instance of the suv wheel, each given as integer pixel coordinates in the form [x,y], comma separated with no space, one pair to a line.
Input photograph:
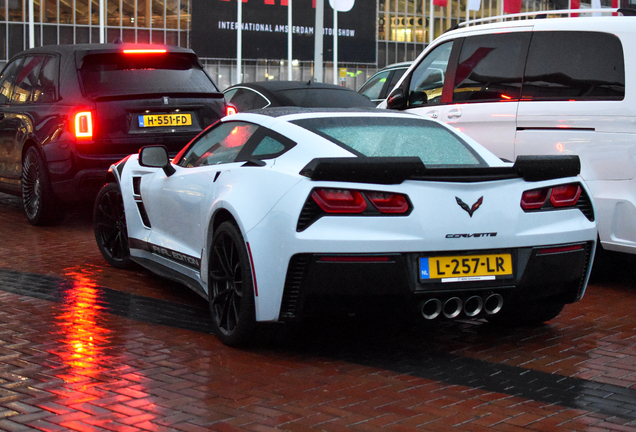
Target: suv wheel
[38,201]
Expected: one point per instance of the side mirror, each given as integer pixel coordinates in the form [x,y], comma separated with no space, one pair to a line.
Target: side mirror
[396,100]
[156,157]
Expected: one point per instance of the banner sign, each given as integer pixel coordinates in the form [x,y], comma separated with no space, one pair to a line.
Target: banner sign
[264,35]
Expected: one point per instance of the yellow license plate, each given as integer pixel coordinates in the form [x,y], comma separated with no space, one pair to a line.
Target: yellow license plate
[466,267]
[158,120]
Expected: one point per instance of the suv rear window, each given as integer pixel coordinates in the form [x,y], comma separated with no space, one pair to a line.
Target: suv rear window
[572,65]
[115,74]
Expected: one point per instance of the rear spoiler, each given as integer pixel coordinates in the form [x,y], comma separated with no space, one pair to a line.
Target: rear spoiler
[394,170]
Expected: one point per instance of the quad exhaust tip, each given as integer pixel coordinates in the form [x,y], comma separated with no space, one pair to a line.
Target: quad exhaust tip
[452,307]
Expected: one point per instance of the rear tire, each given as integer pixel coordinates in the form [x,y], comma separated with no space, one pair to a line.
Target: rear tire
[231,290]
[38,201]
[109,224]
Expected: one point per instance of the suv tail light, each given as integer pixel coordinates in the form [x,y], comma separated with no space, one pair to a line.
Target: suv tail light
[84,125]
[551,197]
[230,110]
[145,51]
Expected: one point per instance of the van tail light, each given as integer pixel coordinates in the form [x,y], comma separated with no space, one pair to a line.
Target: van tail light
[551,197]
[339,200]
[84,125]
[230,110]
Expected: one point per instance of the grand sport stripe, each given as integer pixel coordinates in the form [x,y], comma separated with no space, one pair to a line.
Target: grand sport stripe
[172,255]
[417,361]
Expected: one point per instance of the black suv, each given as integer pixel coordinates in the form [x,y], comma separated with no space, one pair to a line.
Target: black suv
[67,112]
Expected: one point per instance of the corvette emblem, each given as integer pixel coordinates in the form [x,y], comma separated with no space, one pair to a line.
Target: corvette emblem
[470,210]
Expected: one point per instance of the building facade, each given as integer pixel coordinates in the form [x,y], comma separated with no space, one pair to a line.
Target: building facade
[403,29]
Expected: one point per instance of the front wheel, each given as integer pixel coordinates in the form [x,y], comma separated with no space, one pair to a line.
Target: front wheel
[109,223]
[231,291]
[38,202]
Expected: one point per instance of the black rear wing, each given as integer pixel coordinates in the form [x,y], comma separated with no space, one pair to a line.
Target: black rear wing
[394,170]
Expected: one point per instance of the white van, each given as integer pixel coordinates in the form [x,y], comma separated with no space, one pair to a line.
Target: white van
[542,86]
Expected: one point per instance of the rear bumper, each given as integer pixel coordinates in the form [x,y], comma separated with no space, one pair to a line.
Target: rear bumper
[78,172]
[546,273]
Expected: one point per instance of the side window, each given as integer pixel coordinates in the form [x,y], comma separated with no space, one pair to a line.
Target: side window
[26,79]
[397,74]
[7,79]
[373,88]
[244,99]
[219,145]
[427,80]
[490,67]
[574,66]
[47,83]
[268,146]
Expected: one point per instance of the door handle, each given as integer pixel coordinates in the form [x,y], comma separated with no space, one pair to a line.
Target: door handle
[433,114]
[454,113]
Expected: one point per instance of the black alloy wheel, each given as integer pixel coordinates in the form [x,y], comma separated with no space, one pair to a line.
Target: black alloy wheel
[231,291]
[38,202]
[109,220]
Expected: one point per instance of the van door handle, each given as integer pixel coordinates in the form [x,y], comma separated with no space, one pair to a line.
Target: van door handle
[433,114]
[454,113]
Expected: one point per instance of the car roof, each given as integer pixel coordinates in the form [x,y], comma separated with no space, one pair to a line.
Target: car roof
[582,23]
[83,49]
[274,86]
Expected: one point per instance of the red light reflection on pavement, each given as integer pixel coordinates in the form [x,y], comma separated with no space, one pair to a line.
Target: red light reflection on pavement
[83,338]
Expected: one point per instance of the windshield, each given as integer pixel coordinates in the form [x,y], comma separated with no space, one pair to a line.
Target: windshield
[394,137]
[112,74]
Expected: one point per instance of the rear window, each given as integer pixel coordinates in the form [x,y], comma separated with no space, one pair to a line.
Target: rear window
[114,74]
[390,136]
[326,98]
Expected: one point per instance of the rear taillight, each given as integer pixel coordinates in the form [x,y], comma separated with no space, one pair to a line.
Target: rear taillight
[230,110]
[323,202]
[566,195]
[356,202]
[339,200]
[145,51]
[388,202]
[84,125]
[551,197]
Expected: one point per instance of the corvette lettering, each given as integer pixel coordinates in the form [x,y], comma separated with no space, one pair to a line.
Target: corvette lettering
[491,234]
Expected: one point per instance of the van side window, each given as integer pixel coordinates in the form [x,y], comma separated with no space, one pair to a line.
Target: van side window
[572,65]
[490,67]
[427,80]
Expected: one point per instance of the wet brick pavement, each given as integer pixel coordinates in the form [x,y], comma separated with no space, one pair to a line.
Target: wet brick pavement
[90,348]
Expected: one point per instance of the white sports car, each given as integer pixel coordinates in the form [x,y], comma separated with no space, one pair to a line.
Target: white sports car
[270,215]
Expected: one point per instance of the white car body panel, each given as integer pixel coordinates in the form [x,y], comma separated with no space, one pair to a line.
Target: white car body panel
[266,201]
